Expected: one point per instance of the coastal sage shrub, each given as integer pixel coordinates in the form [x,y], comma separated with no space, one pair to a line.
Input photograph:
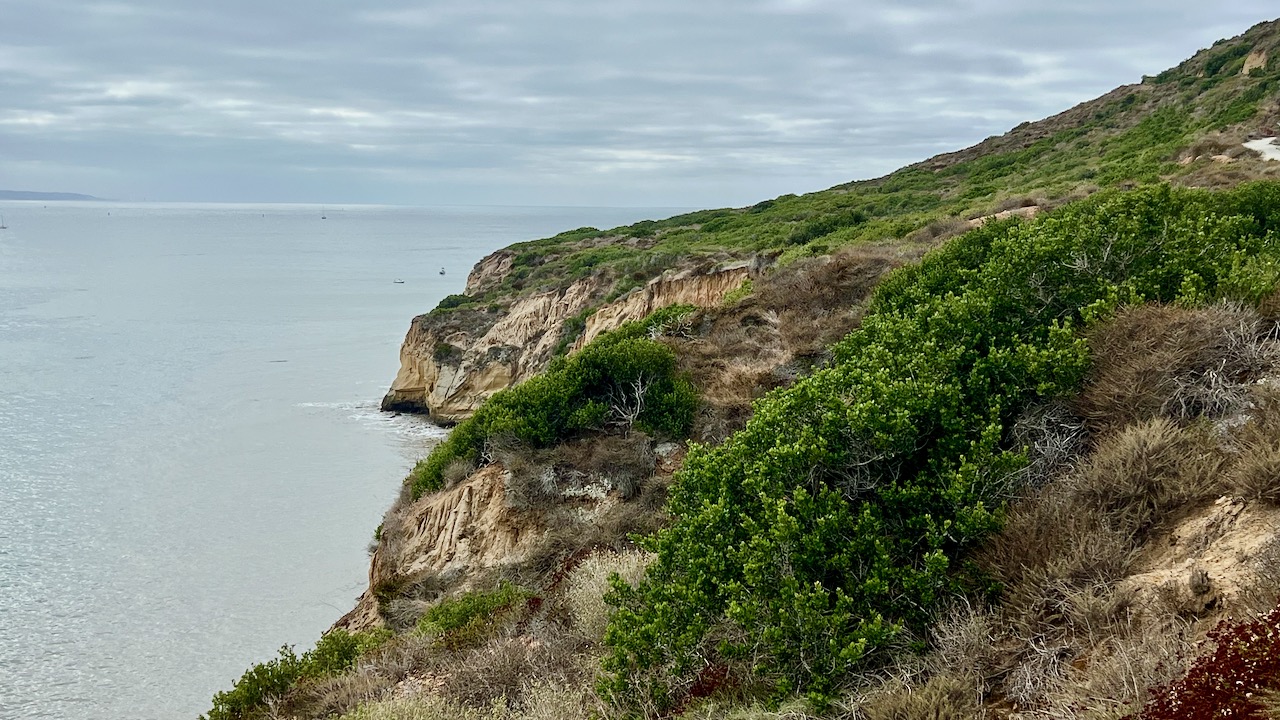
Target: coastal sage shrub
[830,529]
[335,652]
[825,224]
[622,378]
[464,620]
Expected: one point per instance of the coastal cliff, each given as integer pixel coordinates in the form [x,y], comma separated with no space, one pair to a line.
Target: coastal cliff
[451,362]
[975,408]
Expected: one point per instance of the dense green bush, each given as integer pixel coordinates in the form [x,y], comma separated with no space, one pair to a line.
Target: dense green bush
[449,302]
[335,652]
[463,620]
[825,224]
[621,377]
[832,526]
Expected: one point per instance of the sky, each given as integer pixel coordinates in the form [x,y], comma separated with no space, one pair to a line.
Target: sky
[672,103]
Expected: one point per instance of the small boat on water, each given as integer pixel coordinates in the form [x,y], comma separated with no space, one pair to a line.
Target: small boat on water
[2,225]
[441,271]
[398,281]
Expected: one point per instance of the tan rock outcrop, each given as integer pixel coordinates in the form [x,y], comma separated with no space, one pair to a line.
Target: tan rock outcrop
[489,271]
[452,533]
[687,288]
[1256,60]
[1209,558]
[460,530]
[1029,211]
[447,369]
[450,364]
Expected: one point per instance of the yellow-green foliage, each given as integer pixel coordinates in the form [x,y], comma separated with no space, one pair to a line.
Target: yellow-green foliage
[468,618]
[587,584]
[428,707]
[334,653]
[623,370]
[833,525]
[736,295]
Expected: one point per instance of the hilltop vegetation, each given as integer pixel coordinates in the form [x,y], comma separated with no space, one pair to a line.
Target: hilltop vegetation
[1169,127]
[996,482]
[841,517]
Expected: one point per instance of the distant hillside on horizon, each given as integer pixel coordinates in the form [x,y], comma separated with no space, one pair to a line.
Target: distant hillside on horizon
[29,195]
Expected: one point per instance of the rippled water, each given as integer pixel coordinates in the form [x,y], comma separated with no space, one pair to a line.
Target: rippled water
[191,457]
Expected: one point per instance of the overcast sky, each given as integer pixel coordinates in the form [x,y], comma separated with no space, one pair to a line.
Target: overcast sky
[691,103]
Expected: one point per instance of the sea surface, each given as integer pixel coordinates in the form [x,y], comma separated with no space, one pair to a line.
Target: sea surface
[192,461]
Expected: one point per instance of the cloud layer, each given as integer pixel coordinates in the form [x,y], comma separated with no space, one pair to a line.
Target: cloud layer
[554,102]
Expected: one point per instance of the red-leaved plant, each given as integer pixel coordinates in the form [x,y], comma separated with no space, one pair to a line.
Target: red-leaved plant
[1228,682]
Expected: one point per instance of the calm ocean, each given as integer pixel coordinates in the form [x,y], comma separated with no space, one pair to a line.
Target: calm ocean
[191,458]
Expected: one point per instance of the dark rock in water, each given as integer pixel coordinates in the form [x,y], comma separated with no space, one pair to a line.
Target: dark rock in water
[398,402]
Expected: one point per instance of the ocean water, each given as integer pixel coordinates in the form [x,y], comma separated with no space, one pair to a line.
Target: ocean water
[191,458]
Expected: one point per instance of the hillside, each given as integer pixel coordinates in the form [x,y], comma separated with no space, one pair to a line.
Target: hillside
[1185,126]
[35,196]
[991,436]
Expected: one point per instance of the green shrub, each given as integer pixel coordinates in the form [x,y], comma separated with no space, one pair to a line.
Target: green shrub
[453,301]
[831,527]
[622,378]
[259,683]
[825,224]
[335,652]
[464,620]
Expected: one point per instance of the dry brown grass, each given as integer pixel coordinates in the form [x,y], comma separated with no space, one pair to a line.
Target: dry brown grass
[1055,440]
[1069,643]
[1146,473]
[374,677]
[1255,475]
[1162,361]
[1254,471]
[457,471]
[943,696]
[587,584]
[818,300]
[1115,677]
[939,230]
[736,354]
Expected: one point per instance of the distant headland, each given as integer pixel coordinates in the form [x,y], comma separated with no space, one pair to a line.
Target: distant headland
[28,195]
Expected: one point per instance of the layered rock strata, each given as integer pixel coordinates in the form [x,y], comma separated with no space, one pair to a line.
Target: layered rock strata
[451,362]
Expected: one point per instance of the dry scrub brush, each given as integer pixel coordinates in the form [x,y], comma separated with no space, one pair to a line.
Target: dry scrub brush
[818,300]
[1164,361]
[587,584]
[1063,552]
[736,354]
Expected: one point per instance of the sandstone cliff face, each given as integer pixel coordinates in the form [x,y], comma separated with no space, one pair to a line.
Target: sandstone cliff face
[450,363]
[686,288]
[448,369]
[489,271]
[452,533]
[488,522]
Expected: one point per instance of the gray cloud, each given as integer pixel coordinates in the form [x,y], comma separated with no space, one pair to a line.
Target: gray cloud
[557,102]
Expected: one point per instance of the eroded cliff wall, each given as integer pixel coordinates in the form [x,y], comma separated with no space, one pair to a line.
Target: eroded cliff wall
[451,362]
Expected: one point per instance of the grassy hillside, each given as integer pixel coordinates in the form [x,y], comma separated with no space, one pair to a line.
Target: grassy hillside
[1168,127]
[1012,479]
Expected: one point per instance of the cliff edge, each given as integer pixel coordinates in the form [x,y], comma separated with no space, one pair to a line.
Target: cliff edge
[453,359]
